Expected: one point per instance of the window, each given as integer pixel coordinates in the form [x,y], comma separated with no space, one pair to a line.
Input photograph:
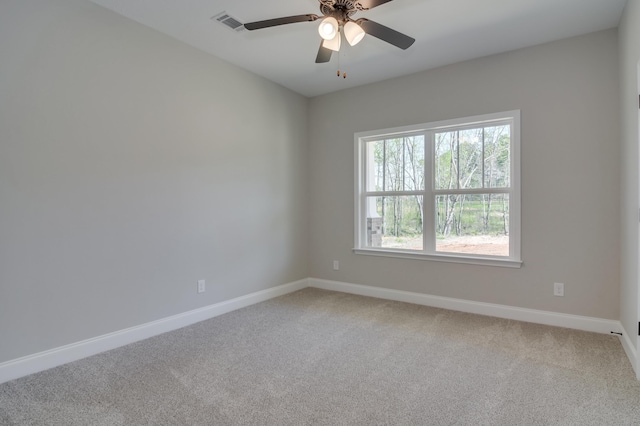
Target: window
[445,191]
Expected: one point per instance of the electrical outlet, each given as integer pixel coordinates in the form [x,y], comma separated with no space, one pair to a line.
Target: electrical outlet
[201,286]
[558,289]
[336,265]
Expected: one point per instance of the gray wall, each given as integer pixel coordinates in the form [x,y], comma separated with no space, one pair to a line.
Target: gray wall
[629,33]
[131,166]
[568,94]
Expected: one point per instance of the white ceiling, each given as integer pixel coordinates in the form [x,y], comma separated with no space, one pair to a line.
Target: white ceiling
[446,31]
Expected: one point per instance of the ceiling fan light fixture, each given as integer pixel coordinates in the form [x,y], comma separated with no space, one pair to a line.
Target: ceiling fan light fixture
[328,28]
[333,44]
[353,33]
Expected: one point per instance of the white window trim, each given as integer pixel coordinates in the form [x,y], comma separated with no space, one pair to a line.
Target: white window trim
[512,261]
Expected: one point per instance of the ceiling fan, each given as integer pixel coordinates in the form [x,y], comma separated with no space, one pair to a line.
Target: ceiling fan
[336,20]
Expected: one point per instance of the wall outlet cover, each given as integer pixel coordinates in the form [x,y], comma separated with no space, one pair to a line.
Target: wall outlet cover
[558,289]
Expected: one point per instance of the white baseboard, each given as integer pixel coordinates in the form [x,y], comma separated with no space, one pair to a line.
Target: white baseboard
[41,361]
[577,322]
[630,350]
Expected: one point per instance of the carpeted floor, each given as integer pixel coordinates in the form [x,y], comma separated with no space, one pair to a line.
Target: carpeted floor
[320,357]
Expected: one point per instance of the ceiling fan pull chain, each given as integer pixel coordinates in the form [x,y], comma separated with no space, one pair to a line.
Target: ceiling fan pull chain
[344,74]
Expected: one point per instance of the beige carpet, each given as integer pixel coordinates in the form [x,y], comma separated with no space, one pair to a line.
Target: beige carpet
[320,357]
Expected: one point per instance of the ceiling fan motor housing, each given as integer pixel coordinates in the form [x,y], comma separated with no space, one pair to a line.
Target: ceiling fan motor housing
[340,9]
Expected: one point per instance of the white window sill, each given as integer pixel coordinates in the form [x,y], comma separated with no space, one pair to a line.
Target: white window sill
[451,258]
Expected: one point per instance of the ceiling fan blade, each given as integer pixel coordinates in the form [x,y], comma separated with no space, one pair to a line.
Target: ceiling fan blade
[370,4]
[324,54]
[279,21]
[386,34]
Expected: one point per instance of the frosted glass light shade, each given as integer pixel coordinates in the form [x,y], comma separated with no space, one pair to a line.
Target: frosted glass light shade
[333,44]
[328,28]
[353,33]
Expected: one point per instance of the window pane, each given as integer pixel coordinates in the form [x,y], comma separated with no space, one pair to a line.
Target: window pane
[470,154]
[474,224]
[374,165]
[414,163]
[446,160]
[497,147]
[395,222]
[393,165]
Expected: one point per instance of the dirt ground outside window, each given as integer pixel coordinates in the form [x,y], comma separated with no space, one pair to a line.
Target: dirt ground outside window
[472,244]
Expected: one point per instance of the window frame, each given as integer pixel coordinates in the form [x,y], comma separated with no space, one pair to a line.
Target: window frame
[429,192]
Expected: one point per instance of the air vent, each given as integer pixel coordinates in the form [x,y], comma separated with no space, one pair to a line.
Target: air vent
[228,21]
